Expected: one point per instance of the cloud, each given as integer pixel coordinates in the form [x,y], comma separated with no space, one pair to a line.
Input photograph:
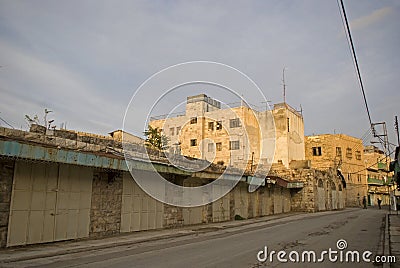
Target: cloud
[84,61]
[26,78]
[371,18]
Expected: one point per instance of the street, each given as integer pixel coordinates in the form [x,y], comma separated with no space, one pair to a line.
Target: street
[238,246]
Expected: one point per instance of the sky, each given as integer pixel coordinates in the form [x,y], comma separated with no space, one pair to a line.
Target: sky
[84,60]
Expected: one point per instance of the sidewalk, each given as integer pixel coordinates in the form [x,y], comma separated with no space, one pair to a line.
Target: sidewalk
[394,236]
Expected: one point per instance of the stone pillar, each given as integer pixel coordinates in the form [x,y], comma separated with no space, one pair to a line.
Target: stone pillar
[6,180]
[105,213]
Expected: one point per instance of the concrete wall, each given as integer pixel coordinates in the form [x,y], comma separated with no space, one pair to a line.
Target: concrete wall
[289,134]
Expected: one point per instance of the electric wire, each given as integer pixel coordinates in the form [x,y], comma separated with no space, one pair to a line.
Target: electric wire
[6,122]
[355,61]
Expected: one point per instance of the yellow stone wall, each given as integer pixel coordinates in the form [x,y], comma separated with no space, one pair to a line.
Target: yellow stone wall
[352,165]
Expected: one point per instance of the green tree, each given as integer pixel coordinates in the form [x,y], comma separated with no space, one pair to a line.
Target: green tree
[29,120]
[155,139]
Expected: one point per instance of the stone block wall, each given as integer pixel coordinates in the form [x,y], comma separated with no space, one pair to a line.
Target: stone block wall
[105,213]
[173,216]
[6,181]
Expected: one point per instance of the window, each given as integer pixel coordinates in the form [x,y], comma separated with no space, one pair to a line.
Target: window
[349,153]
[234,123]
[316,151]
[193,120]
[234,145]
[359,177]
[171,131]
[358,155]
[218,145]
[218,125]
[349,177]
[339,152]
[178,130]
[288,124]
[211,125]
[211,147]
[193,142]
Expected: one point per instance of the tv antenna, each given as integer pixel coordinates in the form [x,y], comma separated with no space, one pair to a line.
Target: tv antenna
[284,84]
[45,116]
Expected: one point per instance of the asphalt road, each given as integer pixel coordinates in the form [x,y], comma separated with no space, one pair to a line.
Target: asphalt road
[239,246]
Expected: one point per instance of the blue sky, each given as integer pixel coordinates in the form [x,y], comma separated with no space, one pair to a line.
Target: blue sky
[85,59]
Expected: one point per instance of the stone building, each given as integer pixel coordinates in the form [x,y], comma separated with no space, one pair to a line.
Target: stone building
[120,135]
[344,154]
[379,178]
[238,136]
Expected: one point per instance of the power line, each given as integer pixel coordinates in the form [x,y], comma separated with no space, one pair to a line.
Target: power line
[6,122]
[355,61]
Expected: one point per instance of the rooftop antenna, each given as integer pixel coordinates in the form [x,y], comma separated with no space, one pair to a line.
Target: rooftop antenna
[301,110]
[284,84]
[266,104]
[45,116]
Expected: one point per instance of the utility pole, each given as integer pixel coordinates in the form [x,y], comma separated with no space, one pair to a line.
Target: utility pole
[396,127]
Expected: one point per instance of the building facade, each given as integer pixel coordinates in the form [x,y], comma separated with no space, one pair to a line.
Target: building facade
[380,182]
[238,136]
[344,154]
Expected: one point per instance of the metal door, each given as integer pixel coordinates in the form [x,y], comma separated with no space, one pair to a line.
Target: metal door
[49,202]
[139,210]
[221,207]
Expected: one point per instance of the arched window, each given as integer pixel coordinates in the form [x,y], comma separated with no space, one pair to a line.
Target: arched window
[320,183]
[333,186]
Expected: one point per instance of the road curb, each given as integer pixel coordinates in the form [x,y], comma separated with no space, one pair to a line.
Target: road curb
[386,238]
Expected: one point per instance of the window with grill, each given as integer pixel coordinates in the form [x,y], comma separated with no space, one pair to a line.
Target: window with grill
[193,142]
[234,123]
[218,125]
[349,153]
[316,151]
[234,145]
[339,151]
[211,125]
[193,120]
[218,146]
[358,155]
